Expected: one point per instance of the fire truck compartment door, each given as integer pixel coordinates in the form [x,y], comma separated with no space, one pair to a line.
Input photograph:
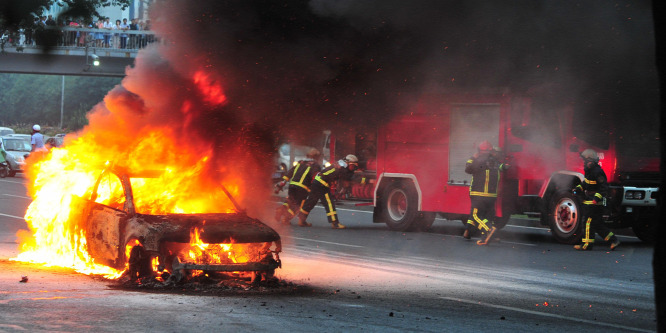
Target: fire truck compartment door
[470,124]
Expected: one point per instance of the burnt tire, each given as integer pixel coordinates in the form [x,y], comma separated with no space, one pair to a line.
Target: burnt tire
[565,218]
[645,230]
[400,207]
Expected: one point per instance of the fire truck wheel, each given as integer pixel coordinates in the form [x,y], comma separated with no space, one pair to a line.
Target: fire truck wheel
[645,230]
[425,220]
[400,206]
[500,222]
[565,215]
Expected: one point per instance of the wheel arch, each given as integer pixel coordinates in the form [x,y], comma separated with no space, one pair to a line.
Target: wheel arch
[558,181]
[386,178]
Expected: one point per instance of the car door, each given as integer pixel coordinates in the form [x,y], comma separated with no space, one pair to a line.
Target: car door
[104,219]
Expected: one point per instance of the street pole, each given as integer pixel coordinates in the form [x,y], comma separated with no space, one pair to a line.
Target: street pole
[62,100]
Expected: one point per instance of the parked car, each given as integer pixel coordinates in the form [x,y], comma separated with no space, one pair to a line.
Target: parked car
[120,234]
[6,131]
[284,159]
[18,149]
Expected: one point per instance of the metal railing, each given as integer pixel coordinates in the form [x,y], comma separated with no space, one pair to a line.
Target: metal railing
[74,38]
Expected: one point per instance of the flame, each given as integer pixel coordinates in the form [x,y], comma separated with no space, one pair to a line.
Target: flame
[203,253]
[191,181]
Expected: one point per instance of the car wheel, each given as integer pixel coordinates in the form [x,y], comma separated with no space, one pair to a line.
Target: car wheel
[565,218]
[400,206]
[645,230]
[11,173]
[3,172]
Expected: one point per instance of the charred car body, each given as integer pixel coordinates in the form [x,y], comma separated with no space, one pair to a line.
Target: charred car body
[147,244]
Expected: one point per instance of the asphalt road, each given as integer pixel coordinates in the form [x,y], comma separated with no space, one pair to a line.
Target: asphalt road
[364,278]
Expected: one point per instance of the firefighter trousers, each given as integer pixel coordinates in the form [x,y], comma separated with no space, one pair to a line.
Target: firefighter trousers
[295,198]
[594,224]
[322,193]
[482,214]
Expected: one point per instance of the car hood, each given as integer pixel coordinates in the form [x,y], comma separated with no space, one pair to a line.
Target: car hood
[214,228]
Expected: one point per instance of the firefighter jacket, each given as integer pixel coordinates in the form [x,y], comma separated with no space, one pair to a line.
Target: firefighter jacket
[485,170]
[302,174]
[330,174]
[594,186]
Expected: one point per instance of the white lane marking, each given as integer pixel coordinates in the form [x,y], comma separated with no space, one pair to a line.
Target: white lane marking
[17,196]
[16,217]
[320,241]
[510,308]
[9,181]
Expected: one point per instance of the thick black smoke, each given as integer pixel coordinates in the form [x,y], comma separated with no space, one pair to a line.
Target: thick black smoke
[302,66]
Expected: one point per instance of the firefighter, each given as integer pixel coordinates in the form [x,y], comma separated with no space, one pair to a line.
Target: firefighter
[485,168]
[321,189]
[593,191]
[299,178]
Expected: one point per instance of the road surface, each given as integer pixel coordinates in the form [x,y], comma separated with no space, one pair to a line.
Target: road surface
[364,278]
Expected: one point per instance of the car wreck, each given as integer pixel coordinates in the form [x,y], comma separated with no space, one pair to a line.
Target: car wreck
[171,245]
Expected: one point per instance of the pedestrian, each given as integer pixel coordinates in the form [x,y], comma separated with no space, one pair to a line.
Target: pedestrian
[37,139]
[485,169]
[321,190]
[107,25]
[123,36]
[299,178]
[593,191]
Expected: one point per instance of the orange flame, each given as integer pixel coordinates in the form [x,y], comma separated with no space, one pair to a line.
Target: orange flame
[191,182]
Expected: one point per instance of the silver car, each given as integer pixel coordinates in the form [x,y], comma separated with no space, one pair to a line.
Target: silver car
[18,149]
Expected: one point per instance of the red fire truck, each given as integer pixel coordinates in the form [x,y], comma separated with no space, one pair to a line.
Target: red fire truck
[416,165]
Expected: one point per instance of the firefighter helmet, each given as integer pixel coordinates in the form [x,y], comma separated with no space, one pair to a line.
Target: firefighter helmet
[485,145]
[313,154]
[351,158]
[589,155]
[36,128]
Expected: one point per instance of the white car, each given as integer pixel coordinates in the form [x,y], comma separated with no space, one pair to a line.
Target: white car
[18,149]
[6,131]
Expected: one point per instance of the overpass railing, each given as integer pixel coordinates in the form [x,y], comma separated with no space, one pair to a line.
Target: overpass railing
[75,38]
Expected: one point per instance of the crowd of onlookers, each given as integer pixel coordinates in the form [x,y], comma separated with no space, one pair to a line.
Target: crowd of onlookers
[121,34]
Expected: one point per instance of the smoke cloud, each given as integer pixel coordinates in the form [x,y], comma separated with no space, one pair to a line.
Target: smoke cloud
[232,76]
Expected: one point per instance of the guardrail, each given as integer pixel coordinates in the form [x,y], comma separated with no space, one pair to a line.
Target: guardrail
[73,38]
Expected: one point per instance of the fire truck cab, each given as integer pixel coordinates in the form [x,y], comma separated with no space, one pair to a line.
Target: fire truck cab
[420,159]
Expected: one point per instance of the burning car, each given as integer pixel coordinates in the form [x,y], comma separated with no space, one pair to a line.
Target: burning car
[120,235]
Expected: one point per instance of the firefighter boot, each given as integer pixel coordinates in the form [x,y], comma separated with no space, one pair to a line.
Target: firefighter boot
[614,243]
[282,216]
[301,221]
[467,234]
[336,225]
[583,247]
[487,239]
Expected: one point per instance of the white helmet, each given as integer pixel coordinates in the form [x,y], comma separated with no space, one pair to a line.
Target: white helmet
[36,128]
[351,158]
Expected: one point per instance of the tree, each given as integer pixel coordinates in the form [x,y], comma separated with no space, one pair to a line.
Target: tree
[15,13]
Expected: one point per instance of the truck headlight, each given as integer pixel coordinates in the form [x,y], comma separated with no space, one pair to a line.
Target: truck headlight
[635,195]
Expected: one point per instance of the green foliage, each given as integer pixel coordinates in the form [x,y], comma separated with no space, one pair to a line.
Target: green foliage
[17,12]
[35,99]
